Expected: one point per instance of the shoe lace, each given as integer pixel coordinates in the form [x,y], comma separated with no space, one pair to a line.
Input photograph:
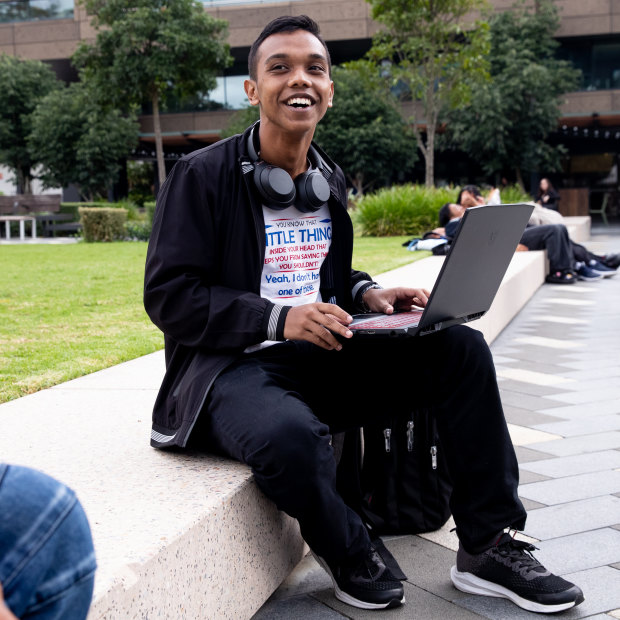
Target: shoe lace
[519,553]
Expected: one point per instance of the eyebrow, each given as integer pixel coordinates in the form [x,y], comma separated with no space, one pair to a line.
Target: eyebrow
[282,56]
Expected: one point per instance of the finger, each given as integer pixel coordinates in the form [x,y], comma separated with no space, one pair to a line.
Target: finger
[336,311]
[333,324]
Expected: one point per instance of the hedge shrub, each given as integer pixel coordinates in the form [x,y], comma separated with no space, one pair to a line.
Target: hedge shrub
[402,209]
[103,224]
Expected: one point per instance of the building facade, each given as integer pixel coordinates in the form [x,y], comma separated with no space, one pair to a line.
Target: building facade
[589,35]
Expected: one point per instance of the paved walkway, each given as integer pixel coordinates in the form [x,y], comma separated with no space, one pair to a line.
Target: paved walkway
[557,364]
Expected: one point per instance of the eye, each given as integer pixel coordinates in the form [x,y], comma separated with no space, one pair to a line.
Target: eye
[317,68]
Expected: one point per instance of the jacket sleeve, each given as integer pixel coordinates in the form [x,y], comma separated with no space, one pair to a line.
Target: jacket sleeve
[182,295]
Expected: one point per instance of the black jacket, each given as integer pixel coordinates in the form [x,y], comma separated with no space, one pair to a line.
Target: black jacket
[203,271]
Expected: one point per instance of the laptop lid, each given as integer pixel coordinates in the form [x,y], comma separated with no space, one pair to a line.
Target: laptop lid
[470,276]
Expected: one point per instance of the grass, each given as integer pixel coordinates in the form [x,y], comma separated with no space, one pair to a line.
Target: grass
[69,310]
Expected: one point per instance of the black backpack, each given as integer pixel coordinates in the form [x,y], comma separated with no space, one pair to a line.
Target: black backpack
[395,477]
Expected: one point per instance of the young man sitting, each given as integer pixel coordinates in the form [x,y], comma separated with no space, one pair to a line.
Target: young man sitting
[248,274]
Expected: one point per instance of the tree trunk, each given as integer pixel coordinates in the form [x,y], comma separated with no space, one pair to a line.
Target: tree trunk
[520,178]
[429,179]
[24,181]
[159,146]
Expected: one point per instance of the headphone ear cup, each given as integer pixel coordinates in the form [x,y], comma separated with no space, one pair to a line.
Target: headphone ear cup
[274,185]
[312,191]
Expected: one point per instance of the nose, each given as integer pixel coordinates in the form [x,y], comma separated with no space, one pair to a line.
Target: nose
[299,77]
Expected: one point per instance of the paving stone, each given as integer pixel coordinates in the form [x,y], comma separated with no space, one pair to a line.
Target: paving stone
[526,455]
[521,387]
[551,367]
[572,518]
[572,488]
[601,588]
[308,576]
[540,355]
[561,344]
[524,417]
[522,435]
[595,583]
[610,372]
[574,465]
[527,477]
[579,552]
[531,377]
[587,364]
[444,536]
[611,393]
[586,410]
[529,504]
[419,604]
[524,401]
[297,608]
[570,428]
[580,444]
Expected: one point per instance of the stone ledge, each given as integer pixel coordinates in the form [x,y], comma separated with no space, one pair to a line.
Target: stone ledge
[180,534]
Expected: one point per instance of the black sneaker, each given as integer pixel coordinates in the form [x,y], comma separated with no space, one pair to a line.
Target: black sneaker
[509,570]
[369,584]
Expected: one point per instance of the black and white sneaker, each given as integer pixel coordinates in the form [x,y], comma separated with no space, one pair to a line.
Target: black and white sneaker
[368,584]
[509,570]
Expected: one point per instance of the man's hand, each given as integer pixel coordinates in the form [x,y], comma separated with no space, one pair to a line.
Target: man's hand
[5,612]
[316,322]
[386,300]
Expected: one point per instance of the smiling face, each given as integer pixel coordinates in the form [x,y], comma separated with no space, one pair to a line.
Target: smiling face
[292,86]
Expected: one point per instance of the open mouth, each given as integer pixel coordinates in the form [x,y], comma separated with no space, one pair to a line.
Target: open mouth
[299,102]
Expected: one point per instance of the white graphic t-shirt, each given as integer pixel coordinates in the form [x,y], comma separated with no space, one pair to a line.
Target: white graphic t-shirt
[296,246]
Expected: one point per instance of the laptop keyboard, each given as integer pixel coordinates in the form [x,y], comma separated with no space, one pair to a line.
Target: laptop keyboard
[401,319]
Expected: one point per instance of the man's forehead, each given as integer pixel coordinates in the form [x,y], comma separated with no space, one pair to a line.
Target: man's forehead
[286,45]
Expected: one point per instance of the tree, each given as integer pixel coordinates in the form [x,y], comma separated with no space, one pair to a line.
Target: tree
[429,51]
[24,83]
[147,49]
[506,125]
[364,131]
[79,141]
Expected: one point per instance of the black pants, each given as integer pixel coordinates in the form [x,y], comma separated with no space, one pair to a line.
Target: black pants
[275,410]
[554,238]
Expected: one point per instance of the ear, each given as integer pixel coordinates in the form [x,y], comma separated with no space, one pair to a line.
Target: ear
[251,91]
[330,101]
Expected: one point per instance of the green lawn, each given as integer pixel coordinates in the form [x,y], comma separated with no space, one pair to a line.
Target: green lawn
[68,310]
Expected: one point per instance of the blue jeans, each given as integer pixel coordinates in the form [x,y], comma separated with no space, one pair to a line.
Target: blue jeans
[47,559]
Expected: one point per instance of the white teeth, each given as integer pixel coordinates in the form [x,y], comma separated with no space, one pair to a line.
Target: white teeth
[299,101]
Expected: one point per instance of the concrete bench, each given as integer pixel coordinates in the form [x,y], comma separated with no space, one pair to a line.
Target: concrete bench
[179,535]
[578,227]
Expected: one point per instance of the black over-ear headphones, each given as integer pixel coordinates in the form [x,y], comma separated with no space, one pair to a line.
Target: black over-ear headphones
[308,192]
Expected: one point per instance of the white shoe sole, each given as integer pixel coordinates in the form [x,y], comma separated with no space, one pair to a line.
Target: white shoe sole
[466,582]
[351,600]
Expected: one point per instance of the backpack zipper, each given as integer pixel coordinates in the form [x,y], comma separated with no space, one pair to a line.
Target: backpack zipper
[387,434]
[410,436]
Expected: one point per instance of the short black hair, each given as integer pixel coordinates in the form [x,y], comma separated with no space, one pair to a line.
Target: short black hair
[472,189]
[445,214]
[286,23]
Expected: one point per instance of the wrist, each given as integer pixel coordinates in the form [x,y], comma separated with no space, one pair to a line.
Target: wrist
[363,292]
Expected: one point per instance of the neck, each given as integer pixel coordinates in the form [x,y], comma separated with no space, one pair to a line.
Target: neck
[286,151]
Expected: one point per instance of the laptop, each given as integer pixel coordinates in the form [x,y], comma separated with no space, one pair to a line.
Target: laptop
[469,279]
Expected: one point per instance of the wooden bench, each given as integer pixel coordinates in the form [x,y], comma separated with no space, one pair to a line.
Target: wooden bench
[26,204]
